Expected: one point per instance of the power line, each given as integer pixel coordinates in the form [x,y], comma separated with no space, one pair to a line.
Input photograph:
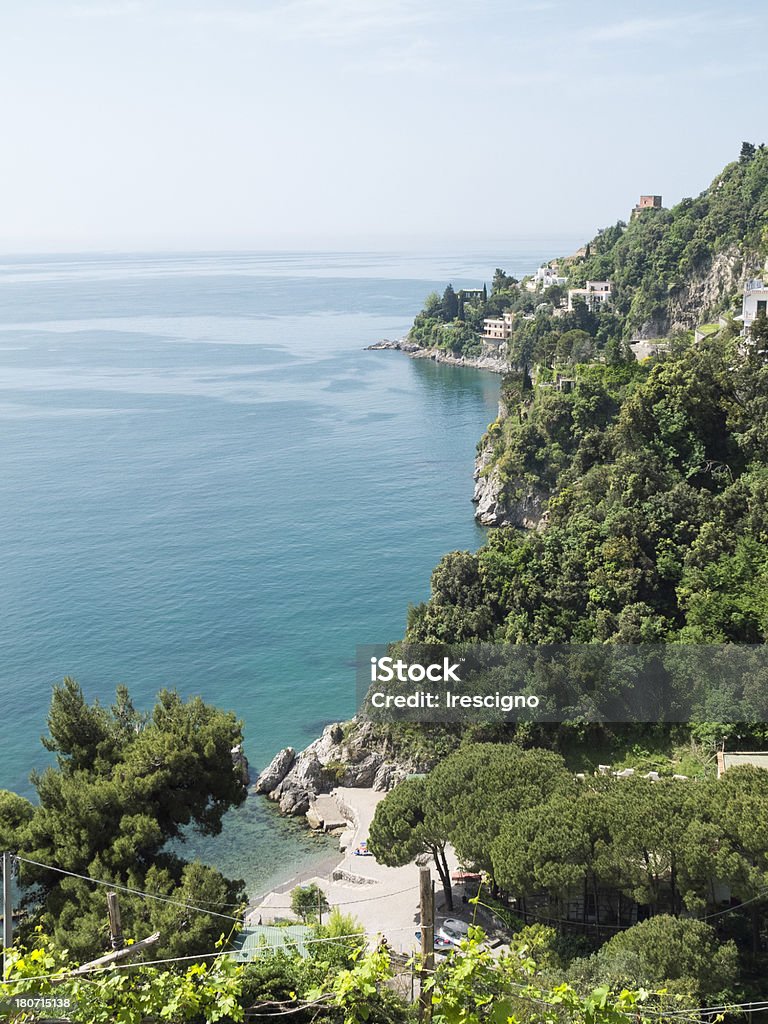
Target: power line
[128,889]
[683,1014]
[368,899]
[181,903]
[737,906]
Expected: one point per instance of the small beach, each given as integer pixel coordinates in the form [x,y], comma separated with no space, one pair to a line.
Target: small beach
[384,900]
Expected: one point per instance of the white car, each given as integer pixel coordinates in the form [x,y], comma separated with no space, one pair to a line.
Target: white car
[453,930]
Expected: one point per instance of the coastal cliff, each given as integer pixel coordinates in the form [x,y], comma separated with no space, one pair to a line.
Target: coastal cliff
[499,504]
[703,294]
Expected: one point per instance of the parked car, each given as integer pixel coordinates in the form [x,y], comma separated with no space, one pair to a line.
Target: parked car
[441,945]
[453,930]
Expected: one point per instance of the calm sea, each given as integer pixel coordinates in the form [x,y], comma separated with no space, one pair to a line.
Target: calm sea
[209,485]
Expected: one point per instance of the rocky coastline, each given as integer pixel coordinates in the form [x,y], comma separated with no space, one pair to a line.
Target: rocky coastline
[489,359]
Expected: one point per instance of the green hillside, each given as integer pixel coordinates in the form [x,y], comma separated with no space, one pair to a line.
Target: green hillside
[670,270]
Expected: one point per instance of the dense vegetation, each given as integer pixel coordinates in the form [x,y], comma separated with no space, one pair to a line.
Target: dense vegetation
[125,785]
[654,478]
[336,984]
[653,481]
[650,261]
[657,529]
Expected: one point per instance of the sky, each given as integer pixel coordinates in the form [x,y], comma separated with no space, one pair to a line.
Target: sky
[263,124]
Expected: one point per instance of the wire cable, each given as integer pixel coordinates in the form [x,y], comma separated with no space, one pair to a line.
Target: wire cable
[128,889]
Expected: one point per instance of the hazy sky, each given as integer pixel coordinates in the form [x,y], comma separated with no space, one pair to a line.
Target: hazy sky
[367,123]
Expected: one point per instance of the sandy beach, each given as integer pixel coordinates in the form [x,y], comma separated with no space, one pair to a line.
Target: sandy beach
[385,900]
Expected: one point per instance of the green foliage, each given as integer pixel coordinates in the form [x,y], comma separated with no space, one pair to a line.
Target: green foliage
[685,957]
[125,785]
[474,986]
[656,485]
[309,902]
[408,823]
[649,262]
[15,815]
[201,992]
[450,304]
[462,801]
[666,845]
[471,986]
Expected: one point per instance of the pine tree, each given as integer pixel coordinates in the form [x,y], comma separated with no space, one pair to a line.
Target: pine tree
[450,304]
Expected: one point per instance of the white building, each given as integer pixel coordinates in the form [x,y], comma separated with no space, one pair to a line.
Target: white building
[594,293]
[544,277]
[498,328]
[754,303]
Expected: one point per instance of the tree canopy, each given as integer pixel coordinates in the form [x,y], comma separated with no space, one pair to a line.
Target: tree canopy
[126,785]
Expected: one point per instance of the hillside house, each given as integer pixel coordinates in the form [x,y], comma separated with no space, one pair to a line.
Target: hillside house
[754,303]
[544,277]
[498,328]
[595,293]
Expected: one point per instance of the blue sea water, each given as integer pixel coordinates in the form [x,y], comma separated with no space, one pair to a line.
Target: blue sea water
[208,484]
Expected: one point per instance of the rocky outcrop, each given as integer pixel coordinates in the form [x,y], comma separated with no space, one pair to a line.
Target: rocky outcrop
[304,781]
[704,291]
[526,511]
[388,776]
[275,771]
[345,755]
[394,346]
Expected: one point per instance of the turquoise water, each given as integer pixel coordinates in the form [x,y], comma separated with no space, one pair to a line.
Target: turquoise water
[208,484]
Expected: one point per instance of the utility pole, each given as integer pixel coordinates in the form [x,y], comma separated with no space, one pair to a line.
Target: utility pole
[7,910]
[116,939]
[319,905]
[427,915]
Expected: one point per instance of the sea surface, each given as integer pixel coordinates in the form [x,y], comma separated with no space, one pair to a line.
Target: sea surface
[208,484]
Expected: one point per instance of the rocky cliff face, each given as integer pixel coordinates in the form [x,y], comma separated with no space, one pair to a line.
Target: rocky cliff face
[701,295]
[494,508]
[345,755]
[704,291]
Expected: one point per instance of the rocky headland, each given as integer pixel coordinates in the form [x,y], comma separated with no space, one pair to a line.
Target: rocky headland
[348,754]
[490,358]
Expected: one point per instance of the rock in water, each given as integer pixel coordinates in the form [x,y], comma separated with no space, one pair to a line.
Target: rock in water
[240,763]
[275,771]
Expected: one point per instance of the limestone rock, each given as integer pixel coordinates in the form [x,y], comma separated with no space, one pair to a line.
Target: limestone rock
[363,772]
[494,508]
[313,819]
[701,293]
[275,771]
[294,801]
[345,754]
[388,776]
